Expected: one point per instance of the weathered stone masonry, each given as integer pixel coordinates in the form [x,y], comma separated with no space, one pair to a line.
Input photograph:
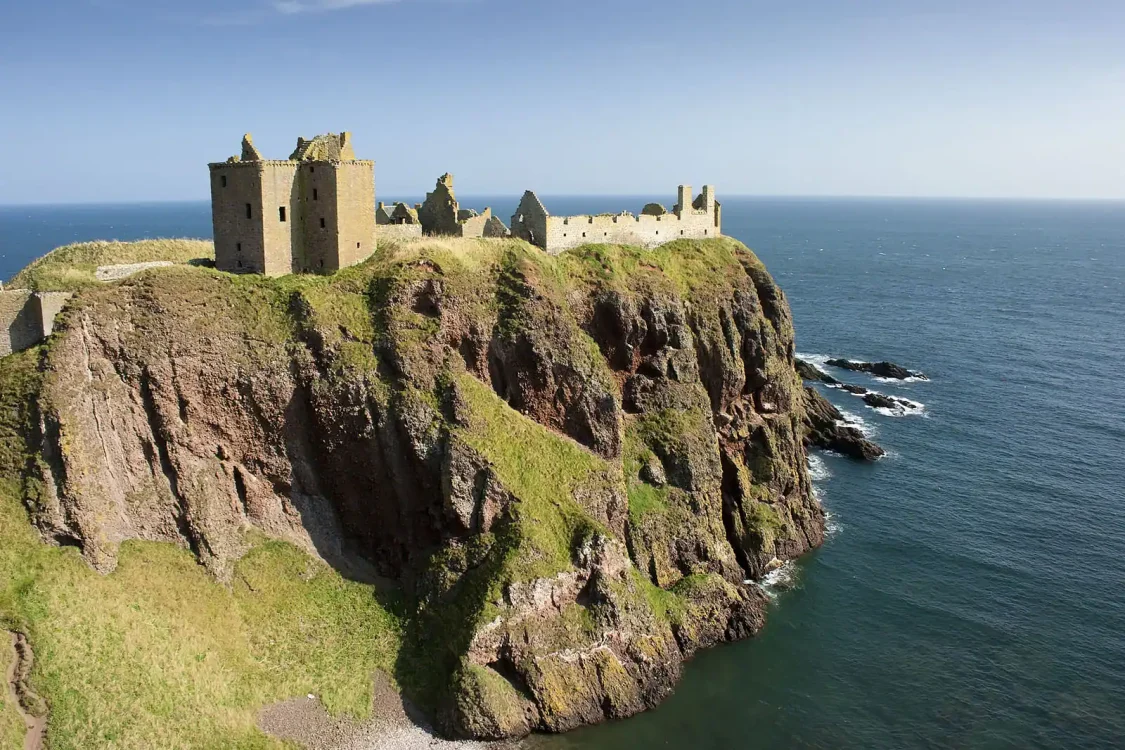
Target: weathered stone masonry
[312,212]
[26,318]
[441,214]
[696,219]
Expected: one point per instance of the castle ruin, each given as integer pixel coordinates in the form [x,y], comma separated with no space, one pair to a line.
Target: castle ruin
[441,214]
[27,317]
[398,222]
[313,212]
[654,226]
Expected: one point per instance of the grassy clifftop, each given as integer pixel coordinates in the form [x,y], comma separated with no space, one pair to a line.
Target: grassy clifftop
[565,467]
[71,267]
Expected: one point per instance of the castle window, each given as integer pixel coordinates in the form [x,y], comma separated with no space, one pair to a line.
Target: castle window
[314,194]
[564,234]
[224,179]
[281,212]
[681,231]
[357,246]
[322,222]
[705,231]
[249,212]
[238,247]
[657,232]
[583,234]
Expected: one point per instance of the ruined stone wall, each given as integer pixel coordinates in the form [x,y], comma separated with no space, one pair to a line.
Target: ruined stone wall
[474,226]
[18,329]
[27,318]
[236,216]
[355,191]
[47,306]
[385,232]
[563,232]
[529,222]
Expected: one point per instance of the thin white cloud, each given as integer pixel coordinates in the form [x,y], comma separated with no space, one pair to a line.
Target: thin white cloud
[314,6]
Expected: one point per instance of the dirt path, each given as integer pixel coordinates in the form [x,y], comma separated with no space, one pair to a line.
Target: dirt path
[25,701]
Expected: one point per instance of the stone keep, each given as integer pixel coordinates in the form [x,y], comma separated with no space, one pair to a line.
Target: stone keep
[698,219]
[314,212]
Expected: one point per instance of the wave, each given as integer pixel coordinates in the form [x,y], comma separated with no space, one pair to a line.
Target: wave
[781,578]
[854,420]
[905,408]
[820,360]
[910,379]
[818,470]
[832,527]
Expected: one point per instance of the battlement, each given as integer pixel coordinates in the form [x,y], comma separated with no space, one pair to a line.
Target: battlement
[654,226]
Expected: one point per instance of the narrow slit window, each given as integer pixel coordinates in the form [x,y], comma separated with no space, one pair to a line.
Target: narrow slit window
[357,246]
[314,194]
[281,212]
[224,180]
[249,212]
[238,247]
[322,222]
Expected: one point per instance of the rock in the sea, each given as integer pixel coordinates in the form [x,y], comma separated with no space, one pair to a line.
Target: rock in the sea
[825,429]
[879,369]
[809,371]
[858,390]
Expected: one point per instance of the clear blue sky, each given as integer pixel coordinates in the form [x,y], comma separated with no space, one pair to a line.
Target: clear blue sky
[118,100]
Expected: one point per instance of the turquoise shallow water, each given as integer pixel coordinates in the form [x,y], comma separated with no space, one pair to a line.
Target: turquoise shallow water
[973,593]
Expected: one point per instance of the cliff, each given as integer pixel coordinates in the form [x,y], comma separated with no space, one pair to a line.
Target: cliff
[569,465]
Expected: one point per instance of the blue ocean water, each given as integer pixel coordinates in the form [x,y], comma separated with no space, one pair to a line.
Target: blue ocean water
[972,594]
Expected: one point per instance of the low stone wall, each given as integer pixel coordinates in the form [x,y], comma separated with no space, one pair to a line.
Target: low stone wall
[397,231]
[26,318]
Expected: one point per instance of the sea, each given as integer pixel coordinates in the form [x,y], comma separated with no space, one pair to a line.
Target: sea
[971,592]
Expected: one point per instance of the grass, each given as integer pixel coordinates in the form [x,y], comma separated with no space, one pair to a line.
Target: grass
[543,469]
[72,267]
[158,654]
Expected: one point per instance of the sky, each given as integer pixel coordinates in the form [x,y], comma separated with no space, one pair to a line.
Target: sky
[128,100]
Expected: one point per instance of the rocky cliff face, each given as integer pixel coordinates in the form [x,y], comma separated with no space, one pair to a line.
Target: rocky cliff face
[569,464]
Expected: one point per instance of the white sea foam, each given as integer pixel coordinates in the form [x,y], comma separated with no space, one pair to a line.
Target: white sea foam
[781,578]
[910,379]
[858,422]
[818,470]
[905,408]
[832,527]
[820,360]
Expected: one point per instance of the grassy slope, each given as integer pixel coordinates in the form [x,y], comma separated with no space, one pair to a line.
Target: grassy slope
[72,267]
[158,654]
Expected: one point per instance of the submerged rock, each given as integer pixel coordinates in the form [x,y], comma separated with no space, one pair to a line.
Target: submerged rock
[879,369]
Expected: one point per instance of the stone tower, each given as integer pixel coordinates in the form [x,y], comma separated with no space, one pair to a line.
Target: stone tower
[313,212]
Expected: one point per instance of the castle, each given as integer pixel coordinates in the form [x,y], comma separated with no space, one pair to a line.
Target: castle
[314,211]
[654,226]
